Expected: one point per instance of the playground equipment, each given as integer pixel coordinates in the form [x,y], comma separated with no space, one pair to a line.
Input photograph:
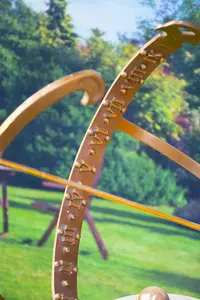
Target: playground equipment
[107,119]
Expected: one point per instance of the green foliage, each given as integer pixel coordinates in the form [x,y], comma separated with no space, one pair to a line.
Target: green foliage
[33,53]
[27,66]
[18,42]
[191,146]
[55,26]
[53,146]
[100,55]
[157,104]
[137,177]
[185,65]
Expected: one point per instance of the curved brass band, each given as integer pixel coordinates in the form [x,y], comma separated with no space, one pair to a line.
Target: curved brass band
[104,123]
[149,139]
[88,80]
[98,193]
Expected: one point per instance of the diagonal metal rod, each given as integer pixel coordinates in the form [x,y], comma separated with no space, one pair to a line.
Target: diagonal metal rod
[149,139]
[101,194]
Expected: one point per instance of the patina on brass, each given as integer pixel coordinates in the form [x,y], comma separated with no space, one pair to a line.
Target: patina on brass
[107,119]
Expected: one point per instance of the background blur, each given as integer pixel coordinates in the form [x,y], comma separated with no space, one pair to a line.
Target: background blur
[41,41]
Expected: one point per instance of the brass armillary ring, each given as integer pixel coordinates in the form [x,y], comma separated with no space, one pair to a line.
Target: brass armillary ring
[108,118]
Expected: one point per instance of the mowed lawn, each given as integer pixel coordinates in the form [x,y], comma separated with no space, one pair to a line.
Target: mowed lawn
[144,251]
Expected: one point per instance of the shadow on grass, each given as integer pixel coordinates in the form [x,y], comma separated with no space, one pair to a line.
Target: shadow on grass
[162,278]
[130,215]
[173,229]
[85,253]
[46,200]
[28,206]
[27,242]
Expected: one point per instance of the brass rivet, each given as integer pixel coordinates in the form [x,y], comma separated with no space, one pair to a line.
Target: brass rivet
[123,110]
[66,250]
[60,232]
[123,74]
[67,196]
[72,217]
[80,182]
[141,81]
[75,269]
[56,264]
[57,297]
[84,202]
[162,60]
[94,170]
[105,103]
[92,152]
[61,262]
[143,52]
[106,121]
[90,131]
[77,236]
[143,67]
[77,164]
[65,283]
[107,138]
[123,91]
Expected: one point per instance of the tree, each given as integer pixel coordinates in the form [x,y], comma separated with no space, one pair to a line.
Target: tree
[5,5]
[55,26]
[27,66]
[100,55]
[18,36]
[159,101]
[185,65]
[137,177]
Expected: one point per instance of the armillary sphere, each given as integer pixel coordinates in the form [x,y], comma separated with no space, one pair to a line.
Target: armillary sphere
[108,118]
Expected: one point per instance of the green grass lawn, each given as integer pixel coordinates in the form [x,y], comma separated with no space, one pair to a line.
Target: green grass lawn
[144,251]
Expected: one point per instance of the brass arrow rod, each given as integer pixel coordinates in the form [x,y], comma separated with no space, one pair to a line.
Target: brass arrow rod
[101,194]
[151,140]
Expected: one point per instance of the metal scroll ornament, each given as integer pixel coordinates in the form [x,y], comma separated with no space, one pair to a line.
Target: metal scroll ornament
[89,81]
[109,118]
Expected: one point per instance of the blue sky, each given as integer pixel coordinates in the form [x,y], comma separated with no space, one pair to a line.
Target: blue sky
[111,16]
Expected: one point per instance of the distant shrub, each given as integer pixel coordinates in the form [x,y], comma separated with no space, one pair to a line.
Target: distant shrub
[138,178]
[190,212]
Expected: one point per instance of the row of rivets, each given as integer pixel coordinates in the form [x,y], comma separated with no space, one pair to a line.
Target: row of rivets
[151,56]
